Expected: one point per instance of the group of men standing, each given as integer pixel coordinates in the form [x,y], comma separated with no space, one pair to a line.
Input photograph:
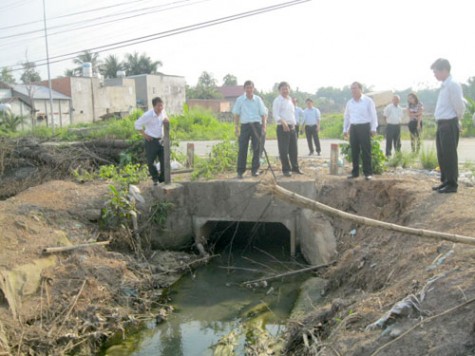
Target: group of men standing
[360,123]
[250,117]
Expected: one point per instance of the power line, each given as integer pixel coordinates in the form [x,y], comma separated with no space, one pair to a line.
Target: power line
[87,23]
[168,33]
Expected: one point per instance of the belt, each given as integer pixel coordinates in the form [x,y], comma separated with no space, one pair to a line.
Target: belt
[366,123]
[251,123]
[443,121]
[156,139]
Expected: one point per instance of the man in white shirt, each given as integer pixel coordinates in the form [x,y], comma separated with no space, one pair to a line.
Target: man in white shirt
[393,113]
[361,121]
[449,111]
[150,126]
[284,115]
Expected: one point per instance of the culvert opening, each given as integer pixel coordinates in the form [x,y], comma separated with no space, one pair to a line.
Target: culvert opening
[238,236]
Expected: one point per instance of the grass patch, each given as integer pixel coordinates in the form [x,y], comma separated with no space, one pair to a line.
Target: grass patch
[428,158]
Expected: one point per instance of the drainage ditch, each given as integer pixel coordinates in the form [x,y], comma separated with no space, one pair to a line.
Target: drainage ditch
[211,305]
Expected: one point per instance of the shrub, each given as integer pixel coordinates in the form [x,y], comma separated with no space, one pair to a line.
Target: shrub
[377,155]
[223,157]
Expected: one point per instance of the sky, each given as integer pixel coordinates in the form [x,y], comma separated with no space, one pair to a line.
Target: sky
[312,44]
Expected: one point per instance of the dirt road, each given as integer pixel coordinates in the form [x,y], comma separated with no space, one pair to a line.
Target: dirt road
[466,149]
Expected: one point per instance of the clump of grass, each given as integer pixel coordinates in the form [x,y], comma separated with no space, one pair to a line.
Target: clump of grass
[428,158]
[404,159]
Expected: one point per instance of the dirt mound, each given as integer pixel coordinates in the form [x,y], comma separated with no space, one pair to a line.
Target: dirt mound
[71,301]
[398,294]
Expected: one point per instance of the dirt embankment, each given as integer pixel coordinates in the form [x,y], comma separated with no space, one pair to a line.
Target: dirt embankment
[71,301]
[389,293]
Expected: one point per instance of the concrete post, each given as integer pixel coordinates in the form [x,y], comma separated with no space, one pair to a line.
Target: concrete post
[166,147]
[334,153]
[190,155]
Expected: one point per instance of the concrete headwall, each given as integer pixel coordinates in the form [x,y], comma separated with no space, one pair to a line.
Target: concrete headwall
[196,204]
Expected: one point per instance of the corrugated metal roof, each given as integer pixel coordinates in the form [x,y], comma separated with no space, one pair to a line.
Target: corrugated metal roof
[38,92]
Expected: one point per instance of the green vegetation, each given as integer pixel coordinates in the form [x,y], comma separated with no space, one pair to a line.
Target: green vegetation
[331,126]
[428,158]
[223,157]
[402,159]
[10,122]
[377,156]
[199,124]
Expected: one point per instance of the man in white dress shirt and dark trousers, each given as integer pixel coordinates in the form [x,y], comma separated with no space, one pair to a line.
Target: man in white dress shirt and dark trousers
[150,126]
[448,113]
[393,114]
[283,111]
[361,121]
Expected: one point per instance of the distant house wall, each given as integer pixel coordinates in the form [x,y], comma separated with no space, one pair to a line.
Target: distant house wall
[168,87]
[116,96]
[91,99]
[61,112]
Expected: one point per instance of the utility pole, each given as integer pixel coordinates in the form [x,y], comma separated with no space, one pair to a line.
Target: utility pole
[47,65]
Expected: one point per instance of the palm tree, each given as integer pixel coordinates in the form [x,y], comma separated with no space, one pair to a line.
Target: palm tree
[111,66]
[140,64]
[9,122]
[88,57]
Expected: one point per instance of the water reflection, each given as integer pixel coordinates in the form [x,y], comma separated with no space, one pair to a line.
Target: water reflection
[210,302]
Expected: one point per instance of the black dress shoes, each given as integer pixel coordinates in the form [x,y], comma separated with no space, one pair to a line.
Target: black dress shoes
[448,189]
[255,174]
[287,174]
[351,176]
[437,187]
[297,171]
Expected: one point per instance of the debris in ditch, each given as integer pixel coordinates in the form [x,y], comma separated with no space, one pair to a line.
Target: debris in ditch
[403,308]
[286,274]
[406,307]
[317,325]
[353,233]
[440,260]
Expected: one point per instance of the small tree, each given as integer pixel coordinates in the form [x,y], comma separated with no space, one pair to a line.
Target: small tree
[7,76]
[205,88]
[229,80]
[30,75]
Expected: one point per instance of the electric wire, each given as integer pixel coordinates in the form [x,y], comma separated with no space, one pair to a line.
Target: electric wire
[168,33]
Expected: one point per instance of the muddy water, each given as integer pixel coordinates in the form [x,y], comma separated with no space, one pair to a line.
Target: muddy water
[210,301]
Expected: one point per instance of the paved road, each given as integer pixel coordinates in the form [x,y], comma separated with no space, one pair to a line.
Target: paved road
[466,148]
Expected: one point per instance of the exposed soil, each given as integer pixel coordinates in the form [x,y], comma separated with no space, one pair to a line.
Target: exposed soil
[74,301]
[377,269]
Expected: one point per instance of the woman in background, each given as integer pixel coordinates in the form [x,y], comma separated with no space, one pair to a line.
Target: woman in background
[415,109]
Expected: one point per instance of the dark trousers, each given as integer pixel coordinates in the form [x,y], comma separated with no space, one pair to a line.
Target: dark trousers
[297,130]
[154,149]
[312,134]
[360,142]
[393,138]
[288,152]
[253,132]
[447,139]
[415,136]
